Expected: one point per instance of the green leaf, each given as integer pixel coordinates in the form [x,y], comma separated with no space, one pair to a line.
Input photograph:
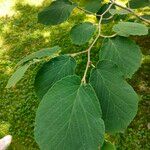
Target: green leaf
[51,52]
[53,71]
[82,33]
[146,16]
[91,5]
[103,8]
[69,117]
[108,146]
[18,74]
[56,13]
[118,100]
[134,4]
[118,12]
[124,52]
[130,28]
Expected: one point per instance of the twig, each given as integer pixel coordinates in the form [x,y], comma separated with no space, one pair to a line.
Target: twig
[89,53]
[95,40]
[108,36]
[108,18]
[131,11]
[78,53]
[86,11]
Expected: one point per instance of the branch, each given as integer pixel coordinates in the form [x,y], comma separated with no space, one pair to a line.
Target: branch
[131,11]
[86,11]
[95,40]
[78,53]
[108,36]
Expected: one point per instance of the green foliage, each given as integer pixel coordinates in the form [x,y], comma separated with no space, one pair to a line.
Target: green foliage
[74,112]
[49,52]
[53,71]
[119,12]
[124,52]
[130,28]
[19,73]
[68,51]
[138,3]
[56,13]
[82,33]
[17,76]
[118,100]
[102,9]
[91,5]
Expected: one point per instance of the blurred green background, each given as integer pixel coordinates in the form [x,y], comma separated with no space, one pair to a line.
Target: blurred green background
[21,35]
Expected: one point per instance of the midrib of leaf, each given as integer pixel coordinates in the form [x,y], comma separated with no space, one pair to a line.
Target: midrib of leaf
[77,99]
[117,52]
[56,104]
[58,116]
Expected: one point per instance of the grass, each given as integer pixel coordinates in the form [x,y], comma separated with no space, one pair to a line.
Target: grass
[21,35]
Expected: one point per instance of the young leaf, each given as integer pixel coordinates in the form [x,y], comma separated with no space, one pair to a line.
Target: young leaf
[130,28]
[124,52]
[18,74]
[53,71]
[108,146]
[134,4]
[69,117]
[91,5]
[51,52]
[56,13]
[82,33]
[118,100]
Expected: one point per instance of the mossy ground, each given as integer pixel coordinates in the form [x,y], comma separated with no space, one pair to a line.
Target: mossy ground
[21,35]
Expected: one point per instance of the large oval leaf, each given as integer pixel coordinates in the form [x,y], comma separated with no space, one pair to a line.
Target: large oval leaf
[125,53]
[53,71]
[69,117]
[56,13]
[82,33]
[51,52]
[130,28]
[118,100]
